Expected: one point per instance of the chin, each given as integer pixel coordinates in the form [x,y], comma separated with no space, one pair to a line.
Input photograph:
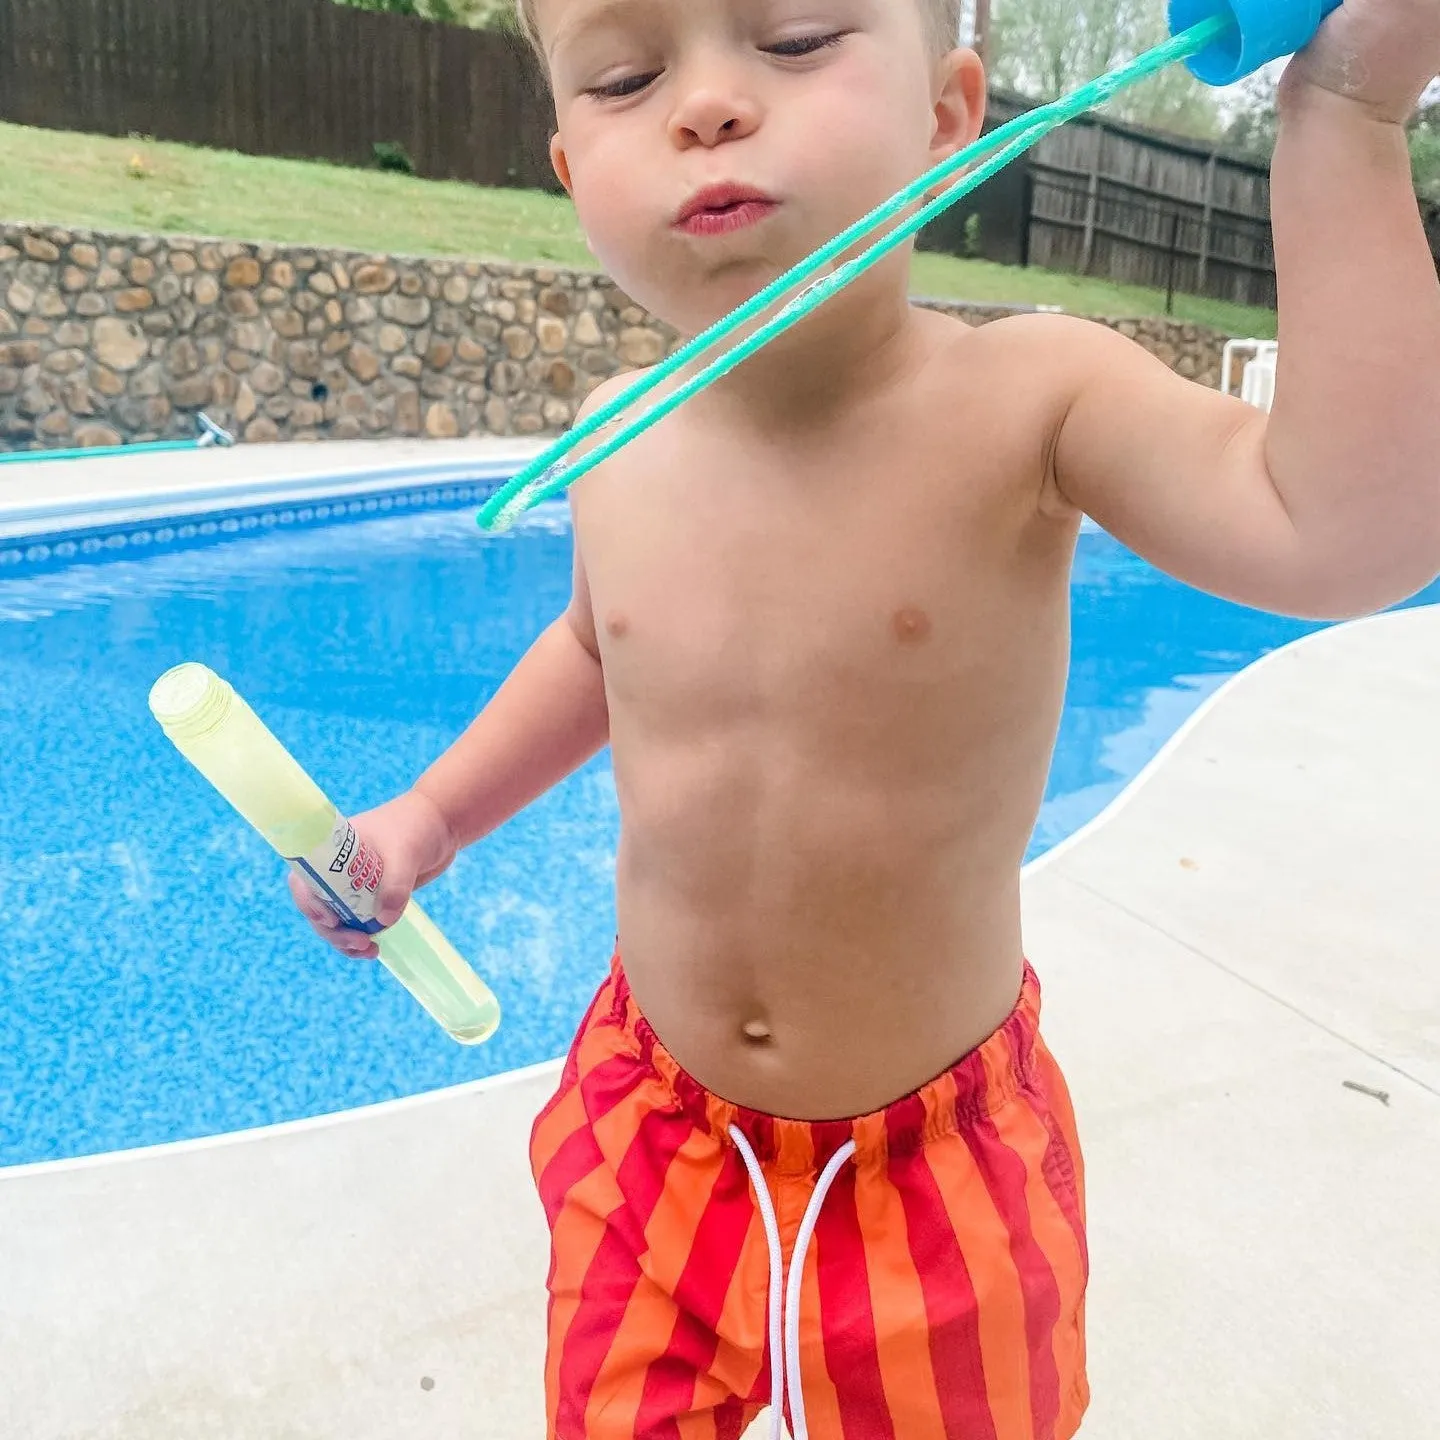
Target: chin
[693,302]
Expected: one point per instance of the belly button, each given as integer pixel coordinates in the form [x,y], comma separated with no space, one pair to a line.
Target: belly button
[617,624]
[756,1031]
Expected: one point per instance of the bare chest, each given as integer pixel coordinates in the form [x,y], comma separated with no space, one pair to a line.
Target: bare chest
[868,592]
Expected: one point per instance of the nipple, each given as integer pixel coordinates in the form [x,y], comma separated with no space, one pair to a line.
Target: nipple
[911,625]
[756,1031]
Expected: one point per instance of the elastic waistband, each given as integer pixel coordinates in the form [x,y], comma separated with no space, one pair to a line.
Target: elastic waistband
[965,1096]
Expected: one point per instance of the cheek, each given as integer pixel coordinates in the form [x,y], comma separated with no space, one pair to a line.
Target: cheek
[604,185]
[865,139]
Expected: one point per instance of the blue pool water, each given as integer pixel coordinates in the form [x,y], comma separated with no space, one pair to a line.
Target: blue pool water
[154,982]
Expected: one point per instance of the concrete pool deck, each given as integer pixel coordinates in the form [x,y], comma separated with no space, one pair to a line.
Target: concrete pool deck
[1251,931]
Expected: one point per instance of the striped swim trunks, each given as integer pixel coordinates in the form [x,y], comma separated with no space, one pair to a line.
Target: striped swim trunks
[915,1274]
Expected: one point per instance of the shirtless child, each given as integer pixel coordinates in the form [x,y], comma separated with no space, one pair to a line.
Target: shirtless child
[820,617]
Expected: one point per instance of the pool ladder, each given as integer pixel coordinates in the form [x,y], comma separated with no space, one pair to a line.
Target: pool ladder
[1257,379]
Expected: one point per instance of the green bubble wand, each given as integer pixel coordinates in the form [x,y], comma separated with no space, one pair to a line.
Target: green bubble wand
[1229,38]
[811,283]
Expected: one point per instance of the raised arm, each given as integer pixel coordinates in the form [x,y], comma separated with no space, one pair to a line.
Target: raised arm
[1330,506]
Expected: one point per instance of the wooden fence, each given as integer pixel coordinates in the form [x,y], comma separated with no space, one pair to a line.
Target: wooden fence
[1115,201]
[303,78]
[313,79]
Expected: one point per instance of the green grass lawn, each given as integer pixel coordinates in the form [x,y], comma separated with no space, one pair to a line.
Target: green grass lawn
[90,180]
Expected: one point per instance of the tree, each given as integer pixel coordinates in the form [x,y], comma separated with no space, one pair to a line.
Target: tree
[476,14]
[1254,123]
[1425,148]
[1046,48]
[1254,128]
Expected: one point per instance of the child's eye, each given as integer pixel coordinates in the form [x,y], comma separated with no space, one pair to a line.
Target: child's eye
[622,89]
[803,45]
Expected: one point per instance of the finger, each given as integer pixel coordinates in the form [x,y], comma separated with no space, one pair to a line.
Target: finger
[391,901]
[354,943]
[328,932]
[311,906]
[322,917]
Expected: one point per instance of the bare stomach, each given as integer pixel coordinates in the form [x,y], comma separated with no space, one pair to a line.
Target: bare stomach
[811,945]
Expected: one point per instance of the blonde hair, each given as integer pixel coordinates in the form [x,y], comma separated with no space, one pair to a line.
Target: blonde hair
[942,24]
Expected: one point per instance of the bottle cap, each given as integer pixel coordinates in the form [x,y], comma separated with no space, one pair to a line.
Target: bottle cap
[190,700]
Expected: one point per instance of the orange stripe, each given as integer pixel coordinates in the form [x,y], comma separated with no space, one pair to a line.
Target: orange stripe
[698,1425]
[670,1234]
[649,1320]
[997,1056]
[582,1223]
[1024,1131]
[822,1404]
[576,1237]
[897,1301]
[616,1129]
[566,1116]
[792,1194]
[985,1244]
[1062,1109]
[740,1360]
[1074,1400]
[702,1422]
[641,1337]
[567,1112]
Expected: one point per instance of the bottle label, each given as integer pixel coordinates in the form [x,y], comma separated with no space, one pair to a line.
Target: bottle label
[345,873]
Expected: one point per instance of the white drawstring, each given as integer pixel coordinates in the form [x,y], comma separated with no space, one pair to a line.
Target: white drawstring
[784,1322]
[777,1279]
[797,1273]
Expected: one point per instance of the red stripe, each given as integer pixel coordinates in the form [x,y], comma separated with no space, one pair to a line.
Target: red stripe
[578,1154]
[1061,1170]
[700,1295]
[1005,1178]
[847,1319]
[614,1271]
[730,1421]
[604,998]
[952,1309]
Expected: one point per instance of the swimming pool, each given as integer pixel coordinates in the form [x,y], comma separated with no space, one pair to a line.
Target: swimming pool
[154,984]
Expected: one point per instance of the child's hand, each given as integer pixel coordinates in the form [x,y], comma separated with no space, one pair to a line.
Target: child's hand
[1379,53]
[414,843]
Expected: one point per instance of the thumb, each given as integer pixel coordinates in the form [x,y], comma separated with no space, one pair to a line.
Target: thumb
[392,895]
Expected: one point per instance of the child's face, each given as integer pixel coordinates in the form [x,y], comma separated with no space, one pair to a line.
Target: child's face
[802,114]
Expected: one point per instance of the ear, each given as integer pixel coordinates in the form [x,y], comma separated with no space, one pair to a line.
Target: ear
[959,103]
[561,164]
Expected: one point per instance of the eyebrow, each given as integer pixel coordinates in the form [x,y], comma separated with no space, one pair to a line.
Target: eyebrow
[596,17]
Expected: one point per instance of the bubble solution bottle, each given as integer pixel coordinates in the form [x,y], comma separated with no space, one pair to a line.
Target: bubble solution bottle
[223,738]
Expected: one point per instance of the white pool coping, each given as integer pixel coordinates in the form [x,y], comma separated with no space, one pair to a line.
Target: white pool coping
[1247,932]
[56,495]
[47,497]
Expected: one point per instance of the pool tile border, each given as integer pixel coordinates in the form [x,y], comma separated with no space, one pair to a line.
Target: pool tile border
[170,528]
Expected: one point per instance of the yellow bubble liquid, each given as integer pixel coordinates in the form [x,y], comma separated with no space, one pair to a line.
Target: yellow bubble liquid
[223,738]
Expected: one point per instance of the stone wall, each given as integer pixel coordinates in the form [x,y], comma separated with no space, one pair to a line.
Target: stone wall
[107,339]
[1194,351]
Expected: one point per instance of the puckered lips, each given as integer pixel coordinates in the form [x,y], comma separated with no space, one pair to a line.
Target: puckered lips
[724,209]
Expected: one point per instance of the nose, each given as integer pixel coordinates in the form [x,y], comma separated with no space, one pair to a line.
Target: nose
[711,112]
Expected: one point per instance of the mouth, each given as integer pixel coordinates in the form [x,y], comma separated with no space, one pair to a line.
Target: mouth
[724,209]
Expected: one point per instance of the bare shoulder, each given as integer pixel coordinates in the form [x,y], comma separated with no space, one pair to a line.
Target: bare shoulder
[1059,343]
[1041,355]
[606,391]
[1057,361]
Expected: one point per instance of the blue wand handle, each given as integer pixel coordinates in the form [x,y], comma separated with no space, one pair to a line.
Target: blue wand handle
[1258,32]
